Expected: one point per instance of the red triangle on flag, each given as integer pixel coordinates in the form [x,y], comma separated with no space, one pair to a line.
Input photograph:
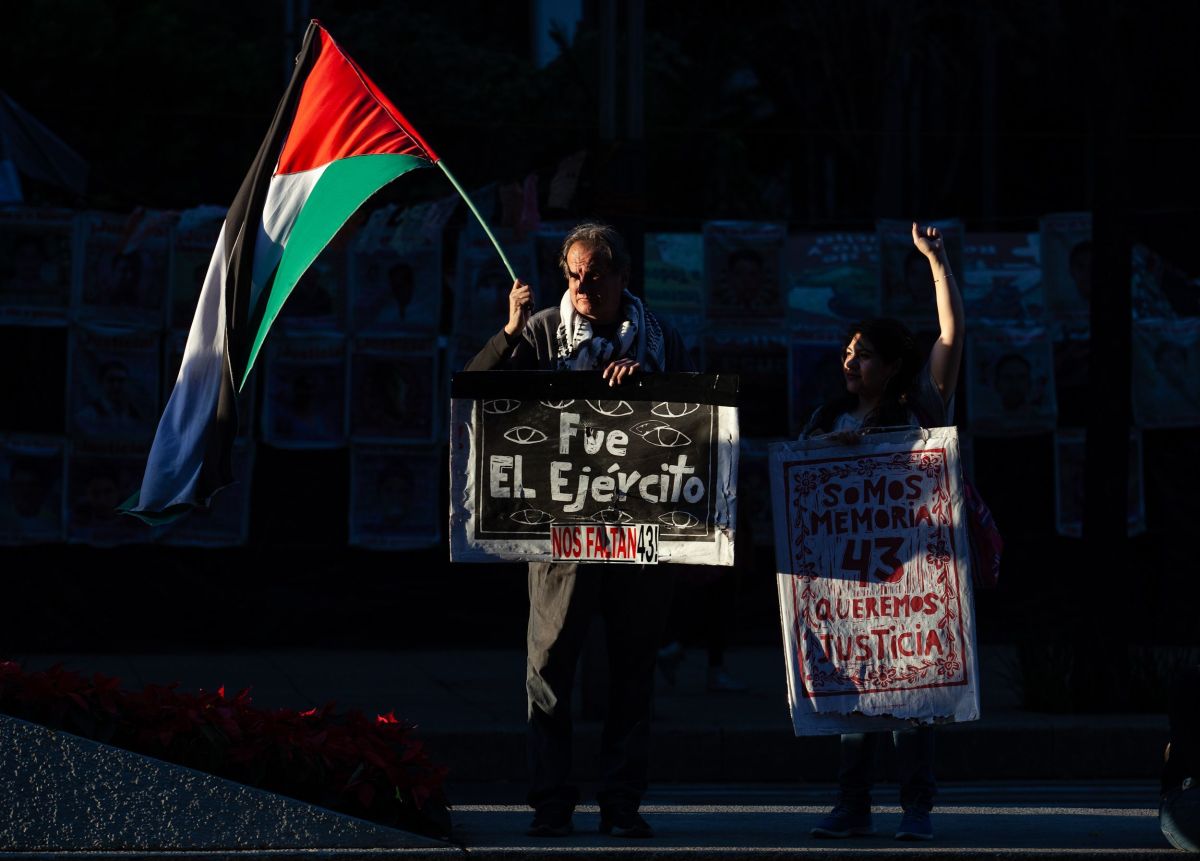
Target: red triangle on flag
[342,113]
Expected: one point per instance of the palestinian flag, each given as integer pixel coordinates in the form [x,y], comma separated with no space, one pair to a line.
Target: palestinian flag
[335,141]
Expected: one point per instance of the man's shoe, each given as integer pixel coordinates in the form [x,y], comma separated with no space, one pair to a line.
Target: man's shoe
[844,821]
[551,821]
[624,823]
[915,825]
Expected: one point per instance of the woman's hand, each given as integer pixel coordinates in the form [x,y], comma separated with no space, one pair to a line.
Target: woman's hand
[619,370]
[520,305]
[929,242]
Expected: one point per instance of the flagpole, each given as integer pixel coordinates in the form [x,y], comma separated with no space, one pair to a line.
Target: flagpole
[475,211]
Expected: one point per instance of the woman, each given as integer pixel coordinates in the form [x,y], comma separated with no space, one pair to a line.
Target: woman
[887,385]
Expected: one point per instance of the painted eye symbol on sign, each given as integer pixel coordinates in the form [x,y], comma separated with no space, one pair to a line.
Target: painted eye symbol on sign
[679,519]
[610,516]
[557,405]
[500,406]
[671,410]
[524,435]
[532,516]
[643,428]
[664,436]
[611,408]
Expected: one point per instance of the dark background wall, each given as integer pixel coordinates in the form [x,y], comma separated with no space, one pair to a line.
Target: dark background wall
[820,115]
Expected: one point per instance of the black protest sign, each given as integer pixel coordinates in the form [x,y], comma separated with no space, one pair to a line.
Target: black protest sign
[535,452]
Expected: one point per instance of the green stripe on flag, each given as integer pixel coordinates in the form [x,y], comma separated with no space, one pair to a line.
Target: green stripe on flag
[343,187]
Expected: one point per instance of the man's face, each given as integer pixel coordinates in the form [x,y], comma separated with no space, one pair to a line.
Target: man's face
[594,285]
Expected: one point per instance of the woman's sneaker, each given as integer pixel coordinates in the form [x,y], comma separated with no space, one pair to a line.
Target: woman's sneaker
[915,825]
[844,821]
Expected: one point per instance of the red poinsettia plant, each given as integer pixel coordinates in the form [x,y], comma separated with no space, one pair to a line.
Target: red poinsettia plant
[372,768]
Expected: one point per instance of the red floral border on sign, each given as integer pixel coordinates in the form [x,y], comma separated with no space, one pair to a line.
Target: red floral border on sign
[946,671]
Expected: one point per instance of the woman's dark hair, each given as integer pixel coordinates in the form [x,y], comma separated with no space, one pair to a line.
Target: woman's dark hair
[892,341]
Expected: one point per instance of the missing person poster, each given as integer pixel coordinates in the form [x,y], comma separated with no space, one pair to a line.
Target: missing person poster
[561,466]
[874,587]
[1010,380]
[391,493]
[1067,264]
[832,278]
[743,264]
[125,267]
[1166,373]
[36,258]
[31,490]
[1002,278]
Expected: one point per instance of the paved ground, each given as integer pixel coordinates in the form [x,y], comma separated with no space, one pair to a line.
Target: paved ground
[754,821]
[1014,784]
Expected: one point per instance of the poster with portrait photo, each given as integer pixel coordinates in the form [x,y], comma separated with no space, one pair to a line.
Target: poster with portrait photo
[906,278]
[394,392]
[1152,279]
[673,285]
[743,267]
[420,227]
[31,490]
[673,280]
[304,401]
[1166,373]
[831,278]
[815,376]
[195,243]
[761,365]
[317,302]
[392,495]
[36,266]
[394,292]
[1010,380]
[1067,265]
[482,283]
[114,387]
[96,484]
[1002,278]
[125,267]
[226,520]
[1070,446]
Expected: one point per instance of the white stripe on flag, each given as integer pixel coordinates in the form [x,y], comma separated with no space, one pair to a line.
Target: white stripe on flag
[286,196]
[173,467]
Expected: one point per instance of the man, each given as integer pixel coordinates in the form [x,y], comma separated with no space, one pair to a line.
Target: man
[597,326]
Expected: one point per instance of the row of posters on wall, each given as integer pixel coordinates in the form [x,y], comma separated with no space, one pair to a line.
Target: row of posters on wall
[1026,363]
[384,273]
[318,391]
[51,491]
[322,390]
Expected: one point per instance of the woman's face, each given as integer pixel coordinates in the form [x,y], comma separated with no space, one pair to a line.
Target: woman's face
[866,372]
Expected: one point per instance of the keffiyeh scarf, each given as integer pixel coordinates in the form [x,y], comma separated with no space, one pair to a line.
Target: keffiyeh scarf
[639,336]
